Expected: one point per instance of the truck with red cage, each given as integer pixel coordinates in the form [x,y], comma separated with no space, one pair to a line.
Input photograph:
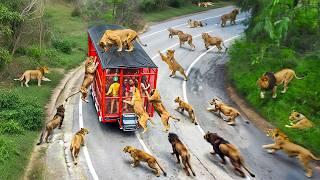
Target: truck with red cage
[116,76]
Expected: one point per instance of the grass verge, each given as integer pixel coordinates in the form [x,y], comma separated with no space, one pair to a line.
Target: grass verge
[171,12]
[15,149]
[248,62]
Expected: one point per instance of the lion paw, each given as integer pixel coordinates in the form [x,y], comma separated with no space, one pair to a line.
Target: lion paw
[270,151]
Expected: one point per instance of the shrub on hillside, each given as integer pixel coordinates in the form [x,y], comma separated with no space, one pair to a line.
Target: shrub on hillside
[34,52]
[4,56]
[176,3]
[62,45]
[10,127]
[76,12]
[14,108]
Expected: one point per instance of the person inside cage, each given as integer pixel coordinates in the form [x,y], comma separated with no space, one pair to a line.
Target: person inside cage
[114,92]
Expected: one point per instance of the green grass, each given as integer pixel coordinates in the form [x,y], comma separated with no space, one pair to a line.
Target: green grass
[20,147]
[303,96]
[63,27]
[171,12]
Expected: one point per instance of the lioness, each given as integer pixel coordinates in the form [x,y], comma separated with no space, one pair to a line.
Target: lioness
[213,41]
[299,121]
[194,24]
[34,74]
[184,37]
[139,110]
[174,66]
[119,37]
[77,140]
[224,148]
[228,111]
[185,106]
[56,121]
[281,142]
[139,155]
[90,71]
[179,149]
[232,16]
[173,32]
[155,99]
[205,4]
[270,81]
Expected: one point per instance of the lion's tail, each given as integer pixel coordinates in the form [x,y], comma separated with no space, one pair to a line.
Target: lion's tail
[139,40]
[244,166]
[21,78]
[41,138]
[72,95]
[314,157]
[164,173]
[175,118]
[297,76]
[188,163]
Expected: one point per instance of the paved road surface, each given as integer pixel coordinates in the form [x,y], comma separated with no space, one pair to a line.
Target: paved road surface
[105,141]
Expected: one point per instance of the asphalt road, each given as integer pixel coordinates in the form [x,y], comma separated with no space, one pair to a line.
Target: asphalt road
[206,79]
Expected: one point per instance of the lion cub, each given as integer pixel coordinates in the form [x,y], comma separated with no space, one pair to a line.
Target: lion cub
[224,148]
[299,121]
[173,32]
[139,155]
[34,74]
[76,142]
[194,24]
[213,41]
[156,101]
[228,111]
[184,37]
[185,106]
[56,121]
[179,149]
[174,66]
[270,81]
[281,142]
[232,16]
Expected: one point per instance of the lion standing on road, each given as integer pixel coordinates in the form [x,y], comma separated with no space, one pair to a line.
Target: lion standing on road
[173,32]
[184,37]
[185,106]
[230,16]
[76,142]
[174,66]
[213,41]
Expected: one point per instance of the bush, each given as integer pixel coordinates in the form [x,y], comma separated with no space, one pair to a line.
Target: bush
[34,52]
[148,5]
[14,108]
[5,57]
[76,12]
[10,127]
[175,3]
[63,46]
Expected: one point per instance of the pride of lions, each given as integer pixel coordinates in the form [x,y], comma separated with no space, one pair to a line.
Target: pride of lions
[123,39]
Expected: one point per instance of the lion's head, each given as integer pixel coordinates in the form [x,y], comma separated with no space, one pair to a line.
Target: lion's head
[128,149]
[276,134]
[155,94]
[177,99]
[205,36]
[84,131]
[44,69]
[295,116]
[170,53]
[235,12]
[267,81]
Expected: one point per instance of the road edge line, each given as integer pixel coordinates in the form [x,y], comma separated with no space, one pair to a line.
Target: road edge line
[85,150]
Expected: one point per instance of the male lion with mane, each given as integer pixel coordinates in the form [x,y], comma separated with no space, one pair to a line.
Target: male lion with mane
[34,74]
[270,81]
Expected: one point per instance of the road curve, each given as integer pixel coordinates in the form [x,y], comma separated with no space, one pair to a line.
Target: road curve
[105,142]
